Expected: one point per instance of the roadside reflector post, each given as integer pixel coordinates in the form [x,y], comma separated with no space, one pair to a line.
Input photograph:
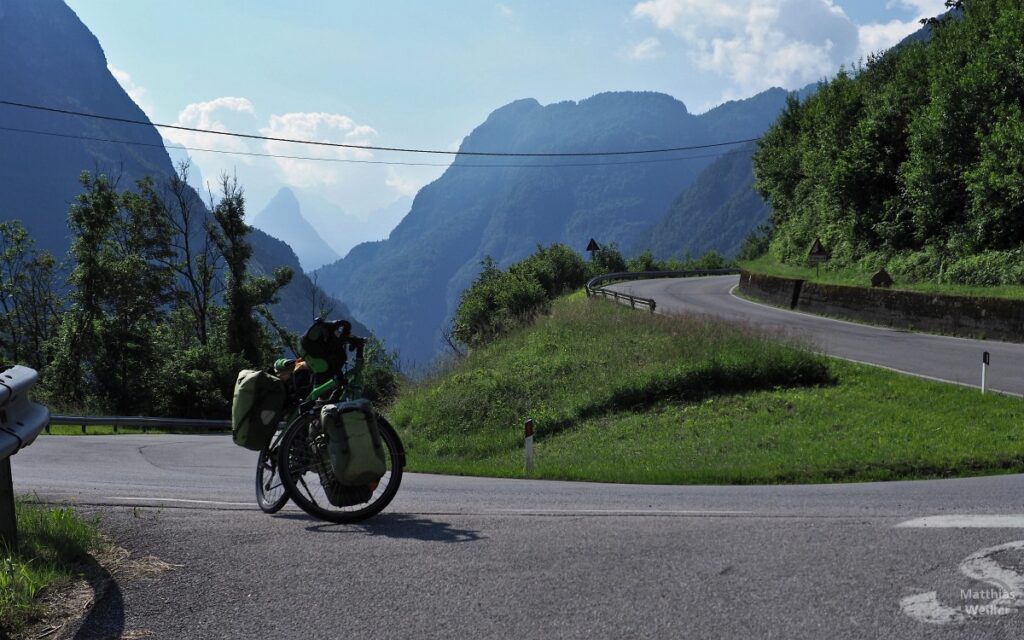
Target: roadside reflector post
[984,365]
[529,447]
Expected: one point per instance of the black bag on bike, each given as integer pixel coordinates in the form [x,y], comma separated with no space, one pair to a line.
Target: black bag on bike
[321,342]
[256,408]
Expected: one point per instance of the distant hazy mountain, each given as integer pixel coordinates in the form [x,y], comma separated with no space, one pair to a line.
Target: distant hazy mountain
[282,219]
[48,57]
[407,286]
[716,212]
[342,230]
[720,208]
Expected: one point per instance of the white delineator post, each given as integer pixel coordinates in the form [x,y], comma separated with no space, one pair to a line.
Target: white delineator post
[984,366]
[529,447]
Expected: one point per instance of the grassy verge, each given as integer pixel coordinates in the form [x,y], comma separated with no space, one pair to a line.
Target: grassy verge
[622,396]
[53,544]
[858,278]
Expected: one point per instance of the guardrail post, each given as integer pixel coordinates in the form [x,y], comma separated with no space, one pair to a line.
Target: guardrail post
[83,429]
[8,521]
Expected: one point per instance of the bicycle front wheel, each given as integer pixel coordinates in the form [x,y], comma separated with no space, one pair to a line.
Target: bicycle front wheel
[271,495]
[308,476]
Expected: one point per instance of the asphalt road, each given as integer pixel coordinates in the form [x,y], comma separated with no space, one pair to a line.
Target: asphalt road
[946,358]
[469,557]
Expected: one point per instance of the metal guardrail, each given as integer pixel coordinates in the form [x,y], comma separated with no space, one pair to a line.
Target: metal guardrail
[595,286]
[631,299]
[21,420]
[140,422]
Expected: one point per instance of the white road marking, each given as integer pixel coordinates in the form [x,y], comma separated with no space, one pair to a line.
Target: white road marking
[624,512]
[1005,596]
[925,607]
[185,500]
[960,521]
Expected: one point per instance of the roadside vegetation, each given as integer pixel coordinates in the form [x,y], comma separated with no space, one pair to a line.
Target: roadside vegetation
[500,300]
[911,162]
[54,546]
[623,396]
[859,277]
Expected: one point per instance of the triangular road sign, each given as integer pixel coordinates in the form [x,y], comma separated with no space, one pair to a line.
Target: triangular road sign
[817,252]
[593,246]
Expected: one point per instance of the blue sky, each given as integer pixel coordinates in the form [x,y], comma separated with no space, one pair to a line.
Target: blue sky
[424,74]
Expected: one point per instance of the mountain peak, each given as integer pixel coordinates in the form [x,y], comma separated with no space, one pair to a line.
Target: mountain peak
[284,199]
[282,218]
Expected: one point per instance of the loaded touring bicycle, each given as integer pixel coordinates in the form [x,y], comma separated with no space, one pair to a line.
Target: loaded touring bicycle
[336,458]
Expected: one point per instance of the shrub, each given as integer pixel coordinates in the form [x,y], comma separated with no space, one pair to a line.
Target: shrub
[607,259]
[557,269]
[916,265]
[988,269]
[496,302]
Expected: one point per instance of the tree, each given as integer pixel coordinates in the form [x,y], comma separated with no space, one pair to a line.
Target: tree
[29,301]
[244,293]
[105,348]
[195,258]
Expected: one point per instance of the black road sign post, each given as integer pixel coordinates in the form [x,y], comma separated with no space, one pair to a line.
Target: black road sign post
[593,247]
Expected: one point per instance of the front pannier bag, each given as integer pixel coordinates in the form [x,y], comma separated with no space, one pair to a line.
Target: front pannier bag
[354,443]
[256,408]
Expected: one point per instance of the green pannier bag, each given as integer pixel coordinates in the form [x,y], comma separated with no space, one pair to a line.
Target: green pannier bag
[354,443]
[256,408]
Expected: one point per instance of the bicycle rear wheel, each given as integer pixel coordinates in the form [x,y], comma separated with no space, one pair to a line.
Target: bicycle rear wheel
[308,477]
[271,494]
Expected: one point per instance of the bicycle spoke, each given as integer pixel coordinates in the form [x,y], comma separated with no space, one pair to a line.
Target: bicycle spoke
[308,492]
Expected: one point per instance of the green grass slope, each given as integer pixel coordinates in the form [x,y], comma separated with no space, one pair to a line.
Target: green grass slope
[623,396]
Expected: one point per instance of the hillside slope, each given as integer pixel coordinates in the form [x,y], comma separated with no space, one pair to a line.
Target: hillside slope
[406,287]
[716,212]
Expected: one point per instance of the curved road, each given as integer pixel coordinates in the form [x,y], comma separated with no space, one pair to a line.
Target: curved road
[946,358]
[469,557]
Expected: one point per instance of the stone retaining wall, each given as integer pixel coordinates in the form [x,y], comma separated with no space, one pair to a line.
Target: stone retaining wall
[970,317]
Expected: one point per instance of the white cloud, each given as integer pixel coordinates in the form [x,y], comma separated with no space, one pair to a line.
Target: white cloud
[322,127]
[361,187]
[504,10]
[646,49]
[134,91]
[209,115]
[759,43]
[403,185]
[227,114]
[879,36]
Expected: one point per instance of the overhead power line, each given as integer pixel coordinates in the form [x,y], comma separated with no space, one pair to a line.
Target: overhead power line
[250,136]
[353,161]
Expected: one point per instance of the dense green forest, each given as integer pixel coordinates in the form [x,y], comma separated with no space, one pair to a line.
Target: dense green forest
[154,310]
[914,160]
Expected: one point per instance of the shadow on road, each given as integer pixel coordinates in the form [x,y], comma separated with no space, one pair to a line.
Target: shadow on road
[402,526]
[106,617]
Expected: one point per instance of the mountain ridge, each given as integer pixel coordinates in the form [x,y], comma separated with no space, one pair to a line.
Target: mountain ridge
[408,285]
